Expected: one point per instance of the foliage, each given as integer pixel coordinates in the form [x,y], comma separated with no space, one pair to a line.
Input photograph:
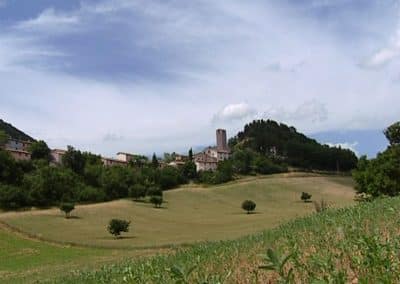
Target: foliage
[40,151]
[92,194]
[13,197]
[74,160]
[392,133]
[154,161]
[10,172]
[3,138]
[117,226]
[169,177]
[305,196]
[279,141]
[13,132]
[67,208]
[137,191]
[190,154]
[224,172]
[156,200]
[189,170]
[116,181]
[249,206]
[277,264]
[379,176]
[50,185]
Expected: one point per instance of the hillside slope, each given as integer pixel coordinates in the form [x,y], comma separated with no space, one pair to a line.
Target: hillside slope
[14,132]
[360,244]
[270,138]
[190,214]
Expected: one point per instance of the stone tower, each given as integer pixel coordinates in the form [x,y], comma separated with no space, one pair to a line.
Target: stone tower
[221,140]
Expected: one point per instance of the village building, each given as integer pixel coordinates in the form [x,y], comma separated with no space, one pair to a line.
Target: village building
[209,158]
[18,145]
[108,162]
[18,149]
[57,155]
[20,155]
[126,157]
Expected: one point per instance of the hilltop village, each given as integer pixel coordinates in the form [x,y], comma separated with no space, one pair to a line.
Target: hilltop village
[207,160]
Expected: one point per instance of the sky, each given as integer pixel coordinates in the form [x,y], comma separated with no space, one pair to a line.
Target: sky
[146,76]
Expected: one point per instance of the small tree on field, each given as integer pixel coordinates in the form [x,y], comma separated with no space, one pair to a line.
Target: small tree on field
[117,226]
[67,208]
[249,206]
[156,200]
[305,196]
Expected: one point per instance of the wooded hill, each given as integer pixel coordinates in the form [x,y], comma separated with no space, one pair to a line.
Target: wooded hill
[14,132]
[294,148]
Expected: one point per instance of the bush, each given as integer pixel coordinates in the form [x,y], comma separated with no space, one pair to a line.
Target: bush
[117,226]
[249,206]
[67,208]
[156,200]
[154,191]
[92,194]
[305,196]
[137,191]
[13,197]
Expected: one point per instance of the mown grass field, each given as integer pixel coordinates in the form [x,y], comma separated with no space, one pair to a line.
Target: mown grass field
[191,214]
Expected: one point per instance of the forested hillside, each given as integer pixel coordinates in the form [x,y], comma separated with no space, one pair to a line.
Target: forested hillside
[296,149]
[13,132]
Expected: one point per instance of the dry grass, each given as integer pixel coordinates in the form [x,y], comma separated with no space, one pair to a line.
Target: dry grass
[190,214]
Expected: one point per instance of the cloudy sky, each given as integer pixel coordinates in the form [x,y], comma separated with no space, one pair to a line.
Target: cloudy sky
[145,76]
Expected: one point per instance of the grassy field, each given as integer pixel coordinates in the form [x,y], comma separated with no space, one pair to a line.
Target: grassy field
[191,214]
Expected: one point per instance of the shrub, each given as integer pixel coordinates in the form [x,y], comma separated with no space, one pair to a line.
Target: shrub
[117,226]
[156,200]
[154,191]
[305,196]
[320,206]
[249,206]
[137,191]
[92,194]
[13,197]
[67,208]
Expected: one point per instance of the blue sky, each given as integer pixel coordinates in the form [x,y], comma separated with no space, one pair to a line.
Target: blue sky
[145,76]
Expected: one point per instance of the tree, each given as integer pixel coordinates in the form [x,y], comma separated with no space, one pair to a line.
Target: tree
[224,172]
[190,154]
[379,176]
[67,208]
[305,196]
[74,160]
[249,206]
[189,170]
[137,191]
[156,200]
[117,226]
[154,161]
[392,133]
[40,151]
[3,138]
[170,177]
[13,197]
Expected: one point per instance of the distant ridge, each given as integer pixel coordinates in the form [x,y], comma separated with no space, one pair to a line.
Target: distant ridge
[14,132]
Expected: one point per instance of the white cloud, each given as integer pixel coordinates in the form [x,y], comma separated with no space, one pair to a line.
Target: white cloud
[234,112]
[386,54]
[221,50]
[49,21]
